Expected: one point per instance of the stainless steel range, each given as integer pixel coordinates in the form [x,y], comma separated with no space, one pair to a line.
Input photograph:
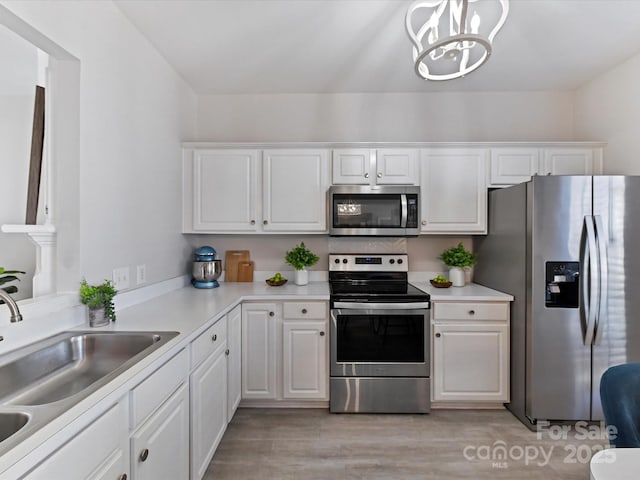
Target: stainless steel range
[379,336]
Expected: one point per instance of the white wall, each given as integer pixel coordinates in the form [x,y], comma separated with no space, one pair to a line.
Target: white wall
[608,108]
[134,112]
[507,116]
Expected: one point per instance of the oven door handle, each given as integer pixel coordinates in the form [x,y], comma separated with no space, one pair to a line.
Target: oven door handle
[381,306]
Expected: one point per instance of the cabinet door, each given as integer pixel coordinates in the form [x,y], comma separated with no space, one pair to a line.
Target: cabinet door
[471,362]
[234,361]
[259,351]
[208,411]
[397,166]
[224,189]
[160,447]
[568,161]
[510,166]
[352,166]
[294,190]
[101,451]
[304,358]
[454,190]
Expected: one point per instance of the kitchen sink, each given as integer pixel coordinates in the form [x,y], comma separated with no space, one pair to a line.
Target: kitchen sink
[42,380]
[11,423]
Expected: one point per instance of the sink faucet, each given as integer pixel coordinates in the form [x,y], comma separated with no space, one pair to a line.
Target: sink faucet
[13,306]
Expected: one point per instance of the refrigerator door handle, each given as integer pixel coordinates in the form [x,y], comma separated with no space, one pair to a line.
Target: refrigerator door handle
[603,291]
[589,280]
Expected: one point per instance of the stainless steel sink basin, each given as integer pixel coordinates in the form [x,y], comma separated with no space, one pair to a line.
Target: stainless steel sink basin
[42,380]
[10,423]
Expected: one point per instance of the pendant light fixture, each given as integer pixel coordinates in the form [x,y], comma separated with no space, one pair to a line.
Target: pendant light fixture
[452,38]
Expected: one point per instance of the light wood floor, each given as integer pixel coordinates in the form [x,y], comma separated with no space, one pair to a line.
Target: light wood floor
[445,444]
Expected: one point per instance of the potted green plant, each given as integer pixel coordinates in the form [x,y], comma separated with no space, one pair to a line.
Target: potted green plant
[300,257]
[7,276]
[457,259]
[99,302]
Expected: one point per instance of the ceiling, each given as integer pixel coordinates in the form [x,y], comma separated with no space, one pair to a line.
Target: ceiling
[328,46]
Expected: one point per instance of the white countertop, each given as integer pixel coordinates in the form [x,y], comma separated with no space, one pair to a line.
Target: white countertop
[470,292]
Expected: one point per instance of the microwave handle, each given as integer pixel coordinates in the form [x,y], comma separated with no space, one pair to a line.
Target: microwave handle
[403,203]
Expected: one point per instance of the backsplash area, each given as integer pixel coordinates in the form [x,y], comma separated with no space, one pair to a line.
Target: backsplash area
[268,251]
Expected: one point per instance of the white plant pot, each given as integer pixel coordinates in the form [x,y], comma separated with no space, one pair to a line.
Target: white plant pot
[468,274]
[301,277]
[456,276]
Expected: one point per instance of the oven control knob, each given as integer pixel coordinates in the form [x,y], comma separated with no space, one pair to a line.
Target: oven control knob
[344,260]
[392,261]
[337,260]
[399,261]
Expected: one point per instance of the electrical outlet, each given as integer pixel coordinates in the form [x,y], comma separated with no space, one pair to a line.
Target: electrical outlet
[141,274]
[121,278]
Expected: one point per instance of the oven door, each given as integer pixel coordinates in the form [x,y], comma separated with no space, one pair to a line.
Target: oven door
[379,340]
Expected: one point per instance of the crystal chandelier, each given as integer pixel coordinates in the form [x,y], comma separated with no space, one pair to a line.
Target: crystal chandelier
[453,37]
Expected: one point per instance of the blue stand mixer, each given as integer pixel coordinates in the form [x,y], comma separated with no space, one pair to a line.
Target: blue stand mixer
[206,268]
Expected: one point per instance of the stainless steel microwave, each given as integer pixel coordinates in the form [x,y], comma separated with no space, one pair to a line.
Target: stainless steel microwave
[387,211]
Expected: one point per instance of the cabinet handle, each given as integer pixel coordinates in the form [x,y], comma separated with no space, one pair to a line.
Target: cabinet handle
[253,222]
[226,352]
[304,310]
[123,477]
[472,312]
[437,335]
[366,175]
[322,334]
[264,222]
[214,338]
[424,222]
[379,174]
[271,314]
[144,454]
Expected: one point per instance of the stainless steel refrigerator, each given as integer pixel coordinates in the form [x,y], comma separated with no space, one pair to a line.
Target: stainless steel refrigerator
[568,249]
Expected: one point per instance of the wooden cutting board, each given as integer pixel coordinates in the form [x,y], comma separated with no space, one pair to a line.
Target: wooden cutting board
[245,271]
[231,261]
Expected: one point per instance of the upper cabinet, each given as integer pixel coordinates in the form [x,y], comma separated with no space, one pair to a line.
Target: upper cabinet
[255,191]
[382,166]
[512,165]
[453,190]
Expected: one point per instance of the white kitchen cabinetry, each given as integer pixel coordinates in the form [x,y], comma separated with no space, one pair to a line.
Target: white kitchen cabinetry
[284,352]
[100,451]
[382,166]
[304,350]
[294,190]
[470,344]
[220,190]
[208,395]
[160,419]
[234,361]
[259,328]
[453,190]
[255,191]
[513,165]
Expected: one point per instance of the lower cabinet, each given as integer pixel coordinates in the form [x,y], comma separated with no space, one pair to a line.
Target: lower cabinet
[284,349]
[100,451]
[160,447]
[470,352]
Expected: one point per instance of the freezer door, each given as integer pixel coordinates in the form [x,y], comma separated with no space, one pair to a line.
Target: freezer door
[616,209]
[557,360]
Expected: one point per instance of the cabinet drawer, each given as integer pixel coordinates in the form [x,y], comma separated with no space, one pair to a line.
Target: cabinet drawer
[470,311]
[150,394]
[209,342]
[315,310]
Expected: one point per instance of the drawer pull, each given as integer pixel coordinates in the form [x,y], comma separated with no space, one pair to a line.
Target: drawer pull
[472,312]
[379,174]
[226,352]
[271,314]
[366,175]
[322,334]
[264,222]
[304,310]
[144,454]
[123,477]
[253,222]
[214,338]
[437,335]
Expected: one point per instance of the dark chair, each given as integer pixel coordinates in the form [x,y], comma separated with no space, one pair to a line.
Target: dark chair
[620,395]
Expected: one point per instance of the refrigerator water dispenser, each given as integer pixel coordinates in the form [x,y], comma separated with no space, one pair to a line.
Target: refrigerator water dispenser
[561,284]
